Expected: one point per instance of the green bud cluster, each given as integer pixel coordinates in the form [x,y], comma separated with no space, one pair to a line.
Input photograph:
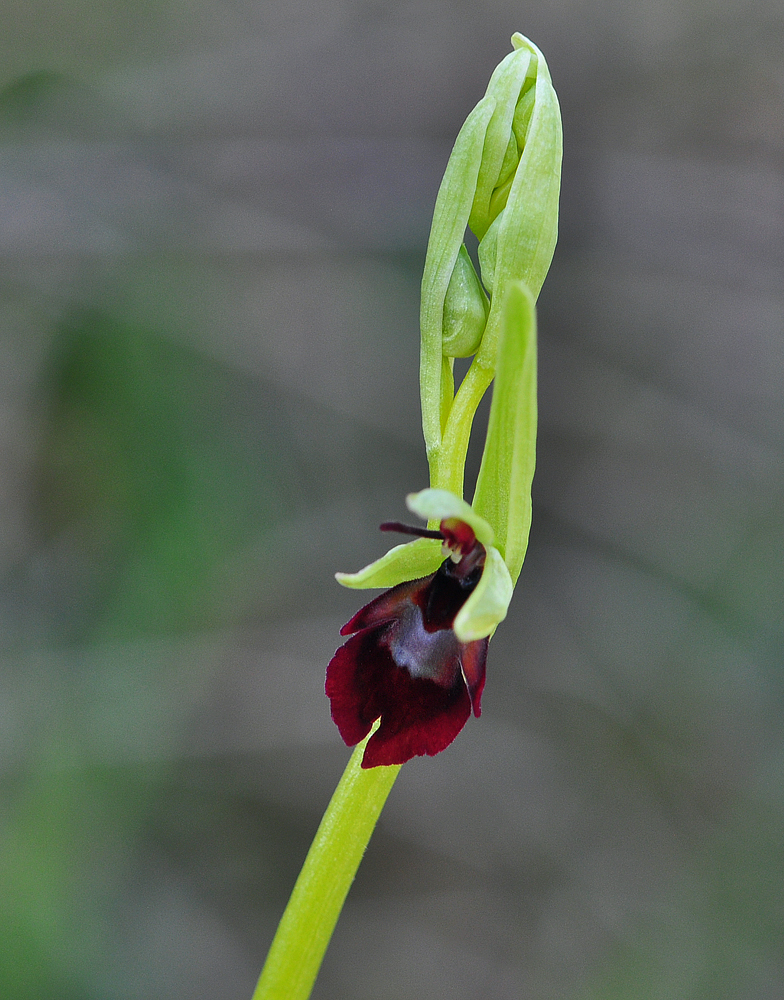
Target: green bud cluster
[502,182]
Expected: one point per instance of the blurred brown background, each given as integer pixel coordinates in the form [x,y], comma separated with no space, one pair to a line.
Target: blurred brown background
[213,219]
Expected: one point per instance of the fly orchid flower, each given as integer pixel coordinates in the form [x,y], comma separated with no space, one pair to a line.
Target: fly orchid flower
[416,656]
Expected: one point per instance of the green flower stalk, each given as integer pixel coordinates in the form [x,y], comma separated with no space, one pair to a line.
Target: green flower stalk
[413,668]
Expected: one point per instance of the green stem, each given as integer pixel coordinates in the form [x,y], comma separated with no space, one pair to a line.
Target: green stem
[306,926]
[447,465]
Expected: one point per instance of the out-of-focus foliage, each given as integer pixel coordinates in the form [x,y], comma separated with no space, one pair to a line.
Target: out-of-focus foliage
[213,225]
[155,464]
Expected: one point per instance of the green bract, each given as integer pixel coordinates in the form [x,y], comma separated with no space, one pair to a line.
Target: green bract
[503,488]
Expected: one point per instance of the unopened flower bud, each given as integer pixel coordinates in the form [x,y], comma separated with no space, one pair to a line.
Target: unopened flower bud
[502,181]
[465,310]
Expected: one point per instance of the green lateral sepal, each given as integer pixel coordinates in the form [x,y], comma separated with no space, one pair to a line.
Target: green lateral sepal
[410,561]
[487,606]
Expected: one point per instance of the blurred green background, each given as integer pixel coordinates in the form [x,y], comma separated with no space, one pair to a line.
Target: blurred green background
[213,219]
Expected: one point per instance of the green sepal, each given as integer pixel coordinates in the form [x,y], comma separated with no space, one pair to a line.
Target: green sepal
[436,505]
[488,604]
[503,487]
[410,561]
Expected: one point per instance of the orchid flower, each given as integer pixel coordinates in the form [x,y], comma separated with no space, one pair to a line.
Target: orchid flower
[413,668]
[416,656]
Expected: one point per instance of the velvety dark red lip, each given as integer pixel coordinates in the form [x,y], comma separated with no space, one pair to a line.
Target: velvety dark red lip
[404,664]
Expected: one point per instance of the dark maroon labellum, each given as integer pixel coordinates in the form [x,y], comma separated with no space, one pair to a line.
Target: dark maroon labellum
[405,665]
